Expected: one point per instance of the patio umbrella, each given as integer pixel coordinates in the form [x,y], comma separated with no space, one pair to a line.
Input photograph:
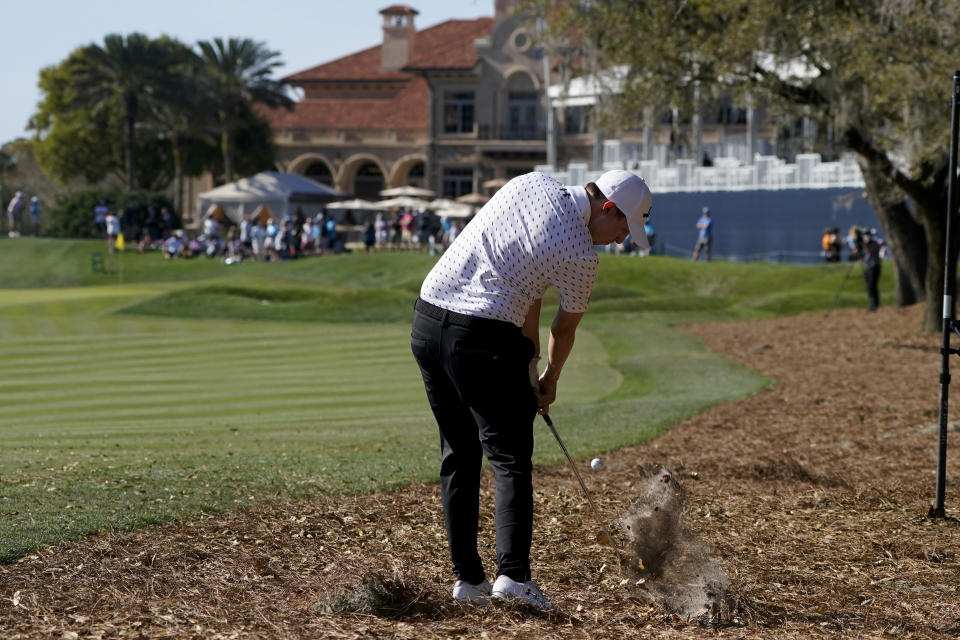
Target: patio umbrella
[408,190]
[442,203]
[355,204]
[402,202]
[454,211]
[473,198]
[495,183]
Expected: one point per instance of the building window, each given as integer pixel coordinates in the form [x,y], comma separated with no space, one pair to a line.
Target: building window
[458,109]
[319,172]
[577,119]
[457,181]
[522,115]
[415,177]
[368,181]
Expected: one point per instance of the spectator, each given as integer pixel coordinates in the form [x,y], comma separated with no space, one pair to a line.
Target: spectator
[381,230]
[307,245]
[330,233]
[406,229]
[166,223]
[194,248]
[151,230]
[13,214]
[112,227]
[173,246]
[246,237]
[35,215]
[455,228]
[100,217]
[234,247]
[704,235]
[211,228]
[369,236]
[854,241]
[270,246]
[830,244]
[651,232]
[316,231]
[258,236]
[396,228]
[870,251]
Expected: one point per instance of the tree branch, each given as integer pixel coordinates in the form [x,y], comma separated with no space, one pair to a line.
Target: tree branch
[854,140]
[803,95]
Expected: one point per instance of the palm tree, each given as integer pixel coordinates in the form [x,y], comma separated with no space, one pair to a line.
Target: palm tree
[241,71]
[186,114]
[125,73]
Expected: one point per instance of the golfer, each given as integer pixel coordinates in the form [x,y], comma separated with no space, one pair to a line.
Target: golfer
[476,339]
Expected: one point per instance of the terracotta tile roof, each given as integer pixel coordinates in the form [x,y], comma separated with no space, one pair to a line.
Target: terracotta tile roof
[448,45]
[406,110]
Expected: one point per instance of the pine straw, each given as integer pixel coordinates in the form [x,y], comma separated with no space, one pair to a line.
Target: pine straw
[812,494]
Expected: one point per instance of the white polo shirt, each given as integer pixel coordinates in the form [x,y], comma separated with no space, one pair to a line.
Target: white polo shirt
[532,234]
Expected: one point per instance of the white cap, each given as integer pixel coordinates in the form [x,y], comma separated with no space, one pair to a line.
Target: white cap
[629,192]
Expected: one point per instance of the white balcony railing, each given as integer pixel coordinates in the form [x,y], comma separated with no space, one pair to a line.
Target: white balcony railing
[728,174]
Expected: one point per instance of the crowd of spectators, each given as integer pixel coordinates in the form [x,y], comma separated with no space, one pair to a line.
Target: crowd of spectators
[299,236]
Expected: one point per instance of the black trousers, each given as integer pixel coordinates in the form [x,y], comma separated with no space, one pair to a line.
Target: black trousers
[475,374]
[871,277]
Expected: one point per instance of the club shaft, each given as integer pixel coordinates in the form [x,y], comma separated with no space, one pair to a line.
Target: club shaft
[583,485]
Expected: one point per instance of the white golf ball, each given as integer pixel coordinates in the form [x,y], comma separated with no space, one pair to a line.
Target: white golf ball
[596,463]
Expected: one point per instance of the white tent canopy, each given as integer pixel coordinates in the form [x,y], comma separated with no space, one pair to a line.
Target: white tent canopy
[407,190]
[282,193]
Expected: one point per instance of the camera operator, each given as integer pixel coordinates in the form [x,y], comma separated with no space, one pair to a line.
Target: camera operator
[869,249]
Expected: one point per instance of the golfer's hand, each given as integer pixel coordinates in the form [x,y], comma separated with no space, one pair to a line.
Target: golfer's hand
[546,392]
[534,373]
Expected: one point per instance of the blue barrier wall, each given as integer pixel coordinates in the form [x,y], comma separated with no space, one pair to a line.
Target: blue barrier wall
[779,226]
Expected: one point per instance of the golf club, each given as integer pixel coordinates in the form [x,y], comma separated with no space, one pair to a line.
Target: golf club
[583,486]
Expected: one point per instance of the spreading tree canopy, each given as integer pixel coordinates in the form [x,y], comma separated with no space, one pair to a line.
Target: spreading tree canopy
[877,73]
[150,111]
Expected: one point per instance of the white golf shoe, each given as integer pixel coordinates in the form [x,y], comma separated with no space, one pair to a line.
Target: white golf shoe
[472,593]
[505,588]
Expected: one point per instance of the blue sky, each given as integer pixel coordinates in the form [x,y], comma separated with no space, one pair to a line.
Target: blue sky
[40,33]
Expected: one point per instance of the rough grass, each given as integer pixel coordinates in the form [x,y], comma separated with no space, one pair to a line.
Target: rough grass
[181,388]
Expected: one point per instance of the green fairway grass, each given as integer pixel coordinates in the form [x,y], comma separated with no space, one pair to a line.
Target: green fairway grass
[171,389]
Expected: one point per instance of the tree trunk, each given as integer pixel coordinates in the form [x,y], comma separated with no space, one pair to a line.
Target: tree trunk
[226,146]
[130,117]
[905,235]
[935,234]
[179,152]
[932,212]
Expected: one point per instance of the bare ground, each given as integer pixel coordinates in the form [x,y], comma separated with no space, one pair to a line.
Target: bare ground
[812,495]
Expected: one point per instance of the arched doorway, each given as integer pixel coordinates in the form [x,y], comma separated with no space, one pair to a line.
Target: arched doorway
[416,177]
[368,181]
[320,172]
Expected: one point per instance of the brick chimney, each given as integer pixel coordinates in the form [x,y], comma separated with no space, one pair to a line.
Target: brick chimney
[398,36]
[503,8]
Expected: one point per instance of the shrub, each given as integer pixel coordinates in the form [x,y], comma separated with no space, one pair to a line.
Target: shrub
[72,217]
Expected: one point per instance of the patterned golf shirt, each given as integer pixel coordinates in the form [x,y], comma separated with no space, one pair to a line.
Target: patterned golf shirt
[531,234]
